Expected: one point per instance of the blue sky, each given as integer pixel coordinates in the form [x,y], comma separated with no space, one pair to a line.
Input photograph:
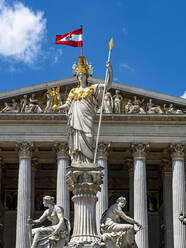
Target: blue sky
[149,38]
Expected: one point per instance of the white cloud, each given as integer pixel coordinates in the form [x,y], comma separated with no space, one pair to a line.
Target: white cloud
[126,67]
[59,52]
[21,32]
[184,95]
[124,31]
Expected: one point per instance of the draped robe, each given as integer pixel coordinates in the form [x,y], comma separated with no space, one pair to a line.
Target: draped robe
[81,114]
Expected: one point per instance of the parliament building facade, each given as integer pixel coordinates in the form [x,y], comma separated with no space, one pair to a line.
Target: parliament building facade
[137,125]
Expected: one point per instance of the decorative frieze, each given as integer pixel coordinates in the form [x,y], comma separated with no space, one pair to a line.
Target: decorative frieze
[114,103]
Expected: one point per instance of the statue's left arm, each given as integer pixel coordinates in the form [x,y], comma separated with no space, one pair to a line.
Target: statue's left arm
[60,215]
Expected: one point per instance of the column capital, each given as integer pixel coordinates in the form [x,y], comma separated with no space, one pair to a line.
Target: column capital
[103,149]
[61,150]
[166,166]
[177,151]
[139,150]
[24,149]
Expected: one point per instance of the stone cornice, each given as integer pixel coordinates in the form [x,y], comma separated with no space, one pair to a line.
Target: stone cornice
[105,117]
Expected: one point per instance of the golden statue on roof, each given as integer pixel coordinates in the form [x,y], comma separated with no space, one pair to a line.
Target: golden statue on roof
[54,95]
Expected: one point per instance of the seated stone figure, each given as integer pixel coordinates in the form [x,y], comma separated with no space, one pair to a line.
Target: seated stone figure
[57,234]
[115,234]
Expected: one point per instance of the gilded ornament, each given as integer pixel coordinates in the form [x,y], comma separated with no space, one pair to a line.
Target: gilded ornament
[79,93]
[54,95]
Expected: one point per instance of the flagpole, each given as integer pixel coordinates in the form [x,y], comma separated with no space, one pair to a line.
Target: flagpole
[82,45]
[101,109]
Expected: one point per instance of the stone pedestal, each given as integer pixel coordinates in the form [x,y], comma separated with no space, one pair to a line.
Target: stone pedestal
[84,181]
[178,194]
[140,193]
[24,194]
[63,194]
[102,203]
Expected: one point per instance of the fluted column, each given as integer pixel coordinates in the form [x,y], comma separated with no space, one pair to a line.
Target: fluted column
[34,169]
[102,203]
[129,163]
[140,193]
[63,194]
[178,193]
[167,203]
[24,194]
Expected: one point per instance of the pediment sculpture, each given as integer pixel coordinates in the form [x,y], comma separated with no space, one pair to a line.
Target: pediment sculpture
[115,101]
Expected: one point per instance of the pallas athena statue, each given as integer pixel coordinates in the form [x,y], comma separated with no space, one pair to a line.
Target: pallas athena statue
[80,108]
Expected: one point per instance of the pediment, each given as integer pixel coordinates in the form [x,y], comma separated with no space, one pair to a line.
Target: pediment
[121,99]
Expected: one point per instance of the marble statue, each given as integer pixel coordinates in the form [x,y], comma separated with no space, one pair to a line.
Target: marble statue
[24,102]
[48,107]
[114,233]
[171,109]
[80,108]
[74,68]
[57,234]
[13,107]
[182,218]
[117,102]
[134,107]
[152,108]
[54,93]
[108,103]
[33,105]
[128,106]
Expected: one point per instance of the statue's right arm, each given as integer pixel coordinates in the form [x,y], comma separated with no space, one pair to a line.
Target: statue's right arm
[41,219]
[67,103]
[127,218]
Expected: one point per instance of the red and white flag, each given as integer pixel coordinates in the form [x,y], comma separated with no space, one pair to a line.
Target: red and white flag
[73,38]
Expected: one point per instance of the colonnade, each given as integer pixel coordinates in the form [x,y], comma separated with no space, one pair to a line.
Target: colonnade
[173,190]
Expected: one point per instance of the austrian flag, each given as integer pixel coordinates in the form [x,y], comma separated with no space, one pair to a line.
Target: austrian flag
[73,38]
